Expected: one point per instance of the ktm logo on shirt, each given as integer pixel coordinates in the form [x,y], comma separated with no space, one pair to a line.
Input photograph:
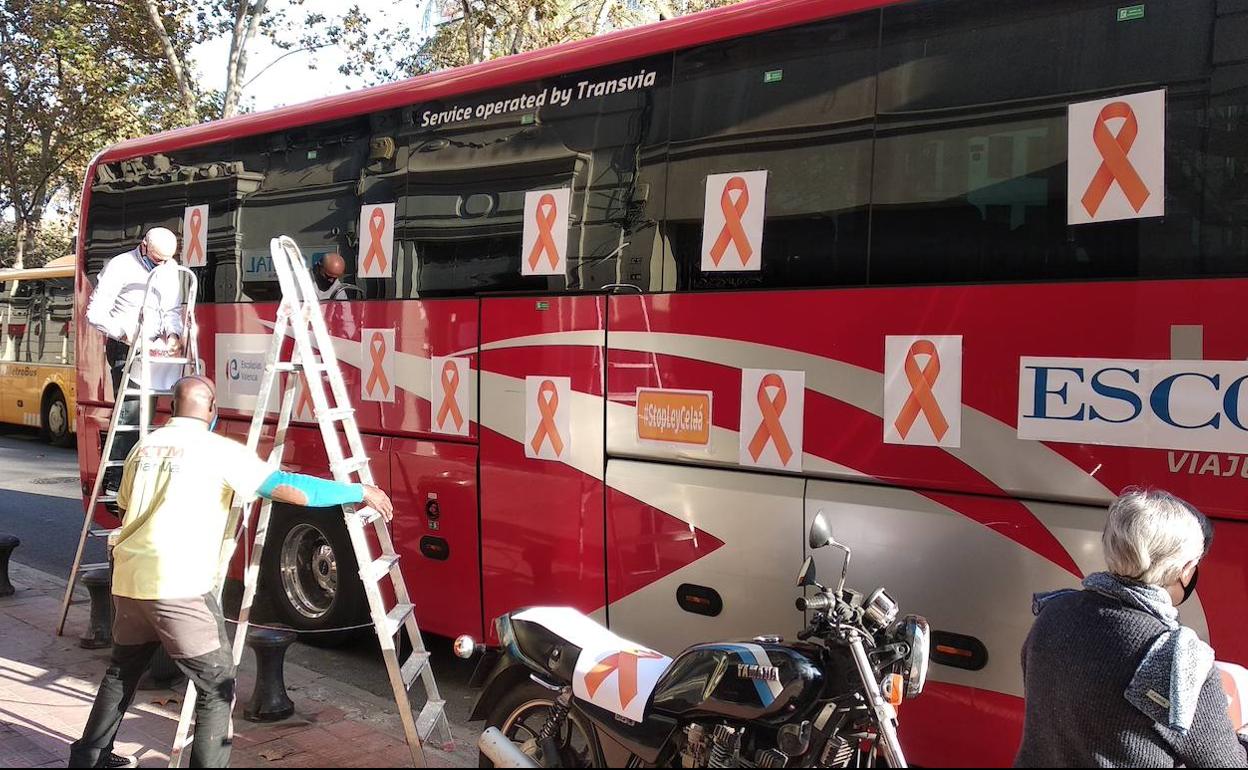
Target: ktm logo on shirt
[161,452]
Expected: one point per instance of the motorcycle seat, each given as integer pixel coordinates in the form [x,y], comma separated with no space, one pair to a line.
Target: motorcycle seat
[611,672]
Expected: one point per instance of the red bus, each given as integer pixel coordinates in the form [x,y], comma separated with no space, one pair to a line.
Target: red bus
[928,345]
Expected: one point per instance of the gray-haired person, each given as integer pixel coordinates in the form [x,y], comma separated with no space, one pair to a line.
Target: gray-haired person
[1111,678]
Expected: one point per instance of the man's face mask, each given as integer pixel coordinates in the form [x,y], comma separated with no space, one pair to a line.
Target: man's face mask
[1190,588]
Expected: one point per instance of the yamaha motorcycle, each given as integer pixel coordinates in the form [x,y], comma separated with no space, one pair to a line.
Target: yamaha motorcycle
[562,691]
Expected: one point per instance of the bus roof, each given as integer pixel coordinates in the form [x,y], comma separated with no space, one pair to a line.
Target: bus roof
[61,267]
[751,16]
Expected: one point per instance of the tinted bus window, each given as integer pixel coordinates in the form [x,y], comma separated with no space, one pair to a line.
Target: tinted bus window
[971,171]
[799,103]
[471,160]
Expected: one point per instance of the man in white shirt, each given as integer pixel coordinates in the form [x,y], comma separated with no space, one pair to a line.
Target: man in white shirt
[114,311]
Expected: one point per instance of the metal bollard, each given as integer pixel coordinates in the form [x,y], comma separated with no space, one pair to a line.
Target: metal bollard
[7,544]
[99,583]
[269,702]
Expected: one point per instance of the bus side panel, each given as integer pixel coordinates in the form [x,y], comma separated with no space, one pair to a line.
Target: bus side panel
[917,546]
[434,489]
[541,520]
[696,555]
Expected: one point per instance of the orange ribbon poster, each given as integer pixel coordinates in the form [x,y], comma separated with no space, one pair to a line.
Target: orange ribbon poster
[732,224]
[195,236]
[1117,158]
[545,240]
[772,412]
[624,666]
[376,252]
[377,365]
[449,391]
[923,390]
[548,420]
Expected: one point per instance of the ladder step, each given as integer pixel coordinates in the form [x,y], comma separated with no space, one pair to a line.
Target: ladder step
[139,392]
[105,499]
[349,465]
[101,533]
[93,566]
[412,667]
[126,429]
[337,414]
[366,516]
[396,617]
[428,718]
[113,463]
[379,568]
[291,366]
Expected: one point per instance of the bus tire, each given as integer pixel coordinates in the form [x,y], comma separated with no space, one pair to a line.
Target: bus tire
[54,419]
[309,576]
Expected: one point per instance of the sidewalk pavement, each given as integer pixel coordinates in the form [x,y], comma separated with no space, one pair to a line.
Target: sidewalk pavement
[47,685]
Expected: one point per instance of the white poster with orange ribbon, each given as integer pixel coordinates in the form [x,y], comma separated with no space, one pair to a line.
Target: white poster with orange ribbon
[732,222]
[1117,166]
[547,418]
[773,407]
[545,241]
[195,236]
[377,365]
[923,391]
[376,253]
[449,400]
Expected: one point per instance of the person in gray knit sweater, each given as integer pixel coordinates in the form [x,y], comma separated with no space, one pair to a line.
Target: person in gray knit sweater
[1111,678]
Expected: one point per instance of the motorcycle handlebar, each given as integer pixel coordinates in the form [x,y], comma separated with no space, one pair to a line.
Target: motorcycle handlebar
[816,603]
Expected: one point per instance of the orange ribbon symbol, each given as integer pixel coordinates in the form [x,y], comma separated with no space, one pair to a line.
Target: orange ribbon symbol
[626,664]
[545,216]
[376,251]
[1115,165]
[548,405]
[377,376]
[450,407]
[733,231]
[921,398]
[305,399]
[195,251]
[770,428]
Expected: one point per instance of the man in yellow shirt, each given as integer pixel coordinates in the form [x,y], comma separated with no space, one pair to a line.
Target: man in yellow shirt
[176,491]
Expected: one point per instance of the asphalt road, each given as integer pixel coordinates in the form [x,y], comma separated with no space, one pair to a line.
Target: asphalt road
[41,503]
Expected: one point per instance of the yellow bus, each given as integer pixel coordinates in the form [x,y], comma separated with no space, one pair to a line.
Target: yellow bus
[37,349]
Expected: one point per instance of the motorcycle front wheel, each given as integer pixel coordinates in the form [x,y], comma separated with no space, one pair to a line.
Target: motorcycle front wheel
[521,714]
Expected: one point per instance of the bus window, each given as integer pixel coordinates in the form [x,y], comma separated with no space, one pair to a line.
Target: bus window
[799,103]
[970,171]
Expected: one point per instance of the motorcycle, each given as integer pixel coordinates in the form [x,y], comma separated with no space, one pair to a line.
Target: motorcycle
[562,691]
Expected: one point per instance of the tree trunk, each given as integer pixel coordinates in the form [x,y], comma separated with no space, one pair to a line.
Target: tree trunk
[171,55]
[246,25]
[19,245]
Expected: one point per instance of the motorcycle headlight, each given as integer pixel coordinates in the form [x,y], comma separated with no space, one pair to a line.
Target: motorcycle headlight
[915,632]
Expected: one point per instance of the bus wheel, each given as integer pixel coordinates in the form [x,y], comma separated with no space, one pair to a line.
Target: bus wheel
[55,419]
[309,575]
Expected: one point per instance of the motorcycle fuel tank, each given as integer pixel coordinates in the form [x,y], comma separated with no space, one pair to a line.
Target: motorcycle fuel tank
[740,680]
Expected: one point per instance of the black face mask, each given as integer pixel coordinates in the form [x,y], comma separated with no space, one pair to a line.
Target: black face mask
[1190,588]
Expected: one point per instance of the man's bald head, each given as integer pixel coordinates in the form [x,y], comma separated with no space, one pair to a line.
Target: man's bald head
[333,265]
[195,397]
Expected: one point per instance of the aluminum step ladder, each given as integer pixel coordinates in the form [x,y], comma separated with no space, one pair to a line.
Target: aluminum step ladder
[313,356]
[134,385]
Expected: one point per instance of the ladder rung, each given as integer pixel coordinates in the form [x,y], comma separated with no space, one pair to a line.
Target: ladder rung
[93,566]
[396,617]
[379,568]
[366,516]
[350,465]
[413,666]
[113,463]
[104,499]
[337,414]
[139,392]
[171,360]
[126,429]
[428,718]
[101,533]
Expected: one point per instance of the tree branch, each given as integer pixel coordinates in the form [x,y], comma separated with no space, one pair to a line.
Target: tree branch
[171,55]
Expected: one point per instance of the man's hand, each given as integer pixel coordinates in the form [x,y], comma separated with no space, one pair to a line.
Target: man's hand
[173,344]
[377,500]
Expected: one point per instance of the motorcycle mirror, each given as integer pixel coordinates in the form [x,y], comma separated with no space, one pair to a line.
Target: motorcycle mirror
[806,576]
[821,532]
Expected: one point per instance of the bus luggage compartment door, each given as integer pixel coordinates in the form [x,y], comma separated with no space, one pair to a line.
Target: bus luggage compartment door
[542,413]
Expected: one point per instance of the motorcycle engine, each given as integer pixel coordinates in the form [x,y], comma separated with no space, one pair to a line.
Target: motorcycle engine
[720,746]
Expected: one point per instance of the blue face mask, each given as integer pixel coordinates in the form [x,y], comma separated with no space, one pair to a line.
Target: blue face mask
[147,262]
